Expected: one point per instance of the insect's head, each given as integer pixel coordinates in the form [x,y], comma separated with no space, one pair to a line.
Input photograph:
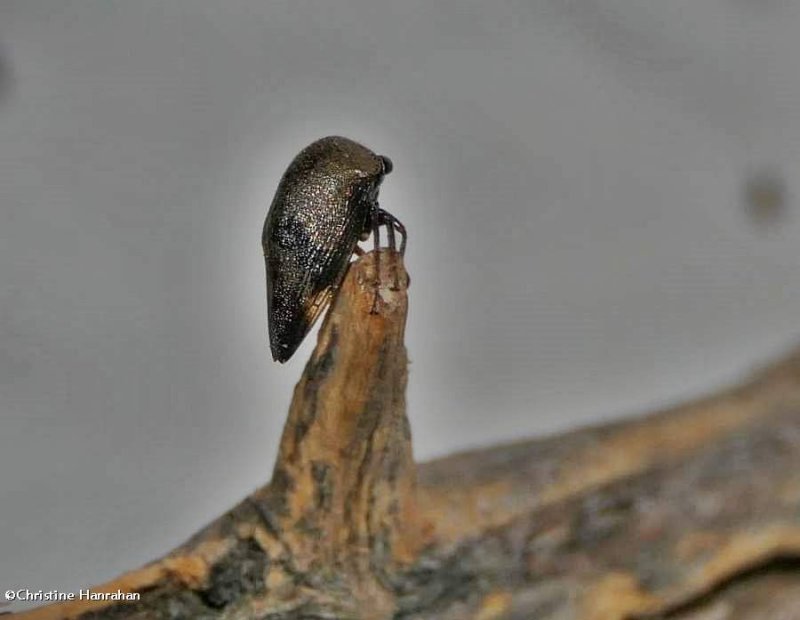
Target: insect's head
[376,179]
[387,164]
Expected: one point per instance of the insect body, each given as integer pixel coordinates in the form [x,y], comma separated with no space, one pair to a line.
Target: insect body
[326,202]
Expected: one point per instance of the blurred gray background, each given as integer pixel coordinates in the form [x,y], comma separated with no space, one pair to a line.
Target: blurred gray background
[600,194]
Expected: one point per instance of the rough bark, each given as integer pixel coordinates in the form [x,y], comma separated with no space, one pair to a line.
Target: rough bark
[691,513]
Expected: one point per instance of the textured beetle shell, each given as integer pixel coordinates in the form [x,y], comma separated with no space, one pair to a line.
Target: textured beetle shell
[322,207]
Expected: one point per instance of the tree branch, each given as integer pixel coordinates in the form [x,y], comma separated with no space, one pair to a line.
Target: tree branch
[691,513]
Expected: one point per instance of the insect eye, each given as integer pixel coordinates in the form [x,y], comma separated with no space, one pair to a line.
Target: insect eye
[387,164]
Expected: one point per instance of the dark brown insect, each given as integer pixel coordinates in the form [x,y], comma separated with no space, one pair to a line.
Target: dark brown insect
[326,202]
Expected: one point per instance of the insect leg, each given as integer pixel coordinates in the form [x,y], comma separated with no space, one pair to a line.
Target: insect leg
[390,234]
[393,246]
[393,224]
[402,230]
[376,238]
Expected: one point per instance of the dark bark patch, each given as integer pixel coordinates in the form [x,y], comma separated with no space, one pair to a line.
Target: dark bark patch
[239,573]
